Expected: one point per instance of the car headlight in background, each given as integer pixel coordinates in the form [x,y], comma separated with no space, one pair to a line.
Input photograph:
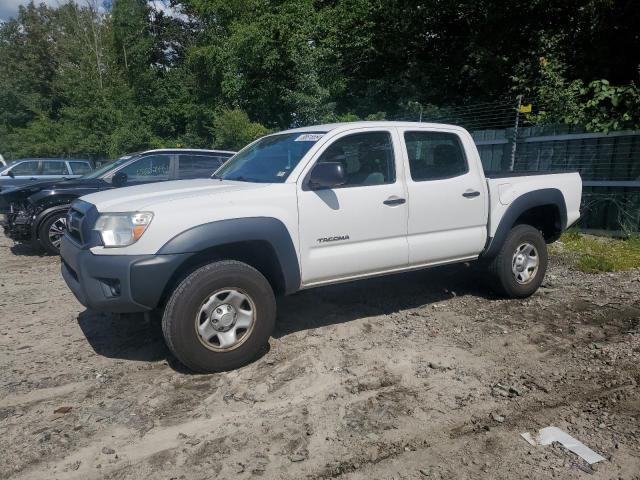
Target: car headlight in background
[122,229]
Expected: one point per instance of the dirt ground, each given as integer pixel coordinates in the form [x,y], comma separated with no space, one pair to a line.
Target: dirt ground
[415,376]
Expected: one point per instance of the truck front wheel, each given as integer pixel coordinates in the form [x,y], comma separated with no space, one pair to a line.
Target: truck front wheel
[520,266]
[219,317]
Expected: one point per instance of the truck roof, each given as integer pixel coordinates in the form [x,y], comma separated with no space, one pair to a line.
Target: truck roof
[327,127]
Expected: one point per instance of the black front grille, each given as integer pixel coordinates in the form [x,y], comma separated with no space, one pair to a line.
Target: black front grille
[74,225]
[81,221]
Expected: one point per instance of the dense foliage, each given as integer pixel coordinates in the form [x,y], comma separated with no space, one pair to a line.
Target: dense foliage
[79,80]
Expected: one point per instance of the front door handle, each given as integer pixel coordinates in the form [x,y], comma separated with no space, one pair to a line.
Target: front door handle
[394,201]
[471,194]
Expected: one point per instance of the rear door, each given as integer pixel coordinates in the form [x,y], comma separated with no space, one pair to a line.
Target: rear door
[447,196]
[80,168]
[359,228]
[198,165]
[54,170]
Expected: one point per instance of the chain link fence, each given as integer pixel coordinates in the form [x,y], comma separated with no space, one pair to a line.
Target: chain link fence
[609,163]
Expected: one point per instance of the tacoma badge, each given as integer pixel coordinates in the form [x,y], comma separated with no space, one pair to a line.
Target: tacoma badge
[333,239]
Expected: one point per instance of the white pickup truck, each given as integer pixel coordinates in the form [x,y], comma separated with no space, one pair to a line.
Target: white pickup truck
[302,208]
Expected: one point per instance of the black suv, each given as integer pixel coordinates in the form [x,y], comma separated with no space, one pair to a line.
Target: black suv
[38,212]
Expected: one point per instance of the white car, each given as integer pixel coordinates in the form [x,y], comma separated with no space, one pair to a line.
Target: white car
[302,208]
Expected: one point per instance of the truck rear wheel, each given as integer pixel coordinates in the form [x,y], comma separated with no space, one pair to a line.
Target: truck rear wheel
[219,317]
[520,266]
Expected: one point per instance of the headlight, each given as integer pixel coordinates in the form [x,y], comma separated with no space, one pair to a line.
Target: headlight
[122,229]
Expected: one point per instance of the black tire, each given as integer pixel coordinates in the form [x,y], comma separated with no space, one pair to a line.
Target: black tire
[182,311]
[501,266]
[54,220]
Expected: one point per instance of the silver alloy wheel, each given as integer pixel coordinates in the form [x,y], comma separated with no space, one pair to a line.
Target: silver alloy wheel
[56,231]
[525,263]
[225,319]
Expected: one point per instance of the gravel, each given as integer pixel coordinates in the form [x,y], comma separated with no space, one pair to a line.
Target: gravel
[394,377]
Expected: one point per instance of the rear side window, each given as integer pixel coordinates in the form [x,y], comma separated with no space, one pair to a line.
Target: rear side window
[152,168]
[367,158]
[80,168]
[198,166]
[435,155]
[54,168]
[26,168]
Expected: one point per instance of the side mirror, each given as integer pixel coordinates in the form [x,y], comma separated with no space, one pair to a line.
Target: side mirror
[119,179]
[9,173]
[327,175]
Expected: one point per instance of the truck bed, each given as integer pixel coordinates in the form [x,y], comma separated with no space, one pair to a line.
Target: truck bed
[506,188]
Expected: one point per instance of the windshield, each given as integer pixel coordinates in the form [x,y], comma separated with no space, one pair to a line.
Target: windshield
[108,167]
[269,160]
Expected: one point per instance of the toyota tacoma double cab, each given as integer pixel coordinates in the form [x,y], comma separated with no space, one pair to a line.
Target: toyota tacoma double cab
[302,208]
[37,213]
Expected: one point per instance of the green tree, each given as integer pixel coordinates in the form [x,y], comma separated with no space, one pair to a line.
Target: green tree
[597,106]
[28,63]
[233,130]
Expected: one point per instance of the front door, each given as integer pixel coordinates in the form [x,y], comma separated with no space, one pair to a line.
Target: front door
[360,227]
[24,172]
[148,169]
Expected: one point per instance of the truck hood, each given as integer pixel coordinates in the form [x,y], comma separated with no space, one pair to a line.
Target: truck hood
[141,197]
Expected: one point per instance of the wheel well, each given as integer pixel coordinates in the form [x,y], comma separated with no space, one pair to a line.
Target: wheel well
[42,218]
[257,253]
[545,218]
[55,202]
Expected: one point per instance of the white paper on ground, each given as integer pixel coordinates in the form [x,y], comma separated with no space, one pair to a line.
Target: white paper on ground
[548,435]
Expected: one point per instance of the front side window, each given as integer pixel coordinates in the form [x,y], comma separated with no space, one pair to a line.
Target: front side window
[271,159]
[54,168]
[80,168]
[435,155]
[198,166]
[367,158]
[151,168]
[26,168]
[105,169]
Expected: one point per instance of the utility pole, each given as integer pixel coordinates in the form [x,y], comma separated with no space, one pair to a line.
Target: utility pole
[514,141]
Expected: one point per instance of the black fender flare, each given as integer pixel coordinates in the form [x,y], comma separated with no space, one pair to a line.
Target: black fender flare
[225,232]
[35,225]
[527,201]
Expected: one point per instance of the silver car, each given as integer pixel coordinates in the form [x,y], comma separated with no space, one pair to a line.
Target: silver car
[29,170]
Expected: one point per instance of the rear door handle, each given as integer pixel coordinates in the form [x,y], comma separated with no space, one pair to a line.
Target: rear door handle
[394,201]
[471,194]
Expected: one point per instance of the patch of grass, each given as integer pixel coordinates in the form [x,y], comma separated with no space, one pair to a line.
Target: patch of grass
[599,254]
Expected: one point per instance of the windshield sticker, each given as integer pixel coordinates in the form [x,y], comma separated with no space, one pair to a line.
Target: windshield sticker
[281,173]
[309,137]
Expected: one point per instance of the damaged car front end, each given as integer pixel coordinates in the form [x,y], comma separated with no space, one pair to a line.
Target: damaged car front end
[16,221]
[17,213]
[27,211]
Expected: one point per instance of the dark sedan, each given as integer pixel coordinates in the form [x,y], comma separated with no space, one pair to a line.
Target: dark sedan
[37,212]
